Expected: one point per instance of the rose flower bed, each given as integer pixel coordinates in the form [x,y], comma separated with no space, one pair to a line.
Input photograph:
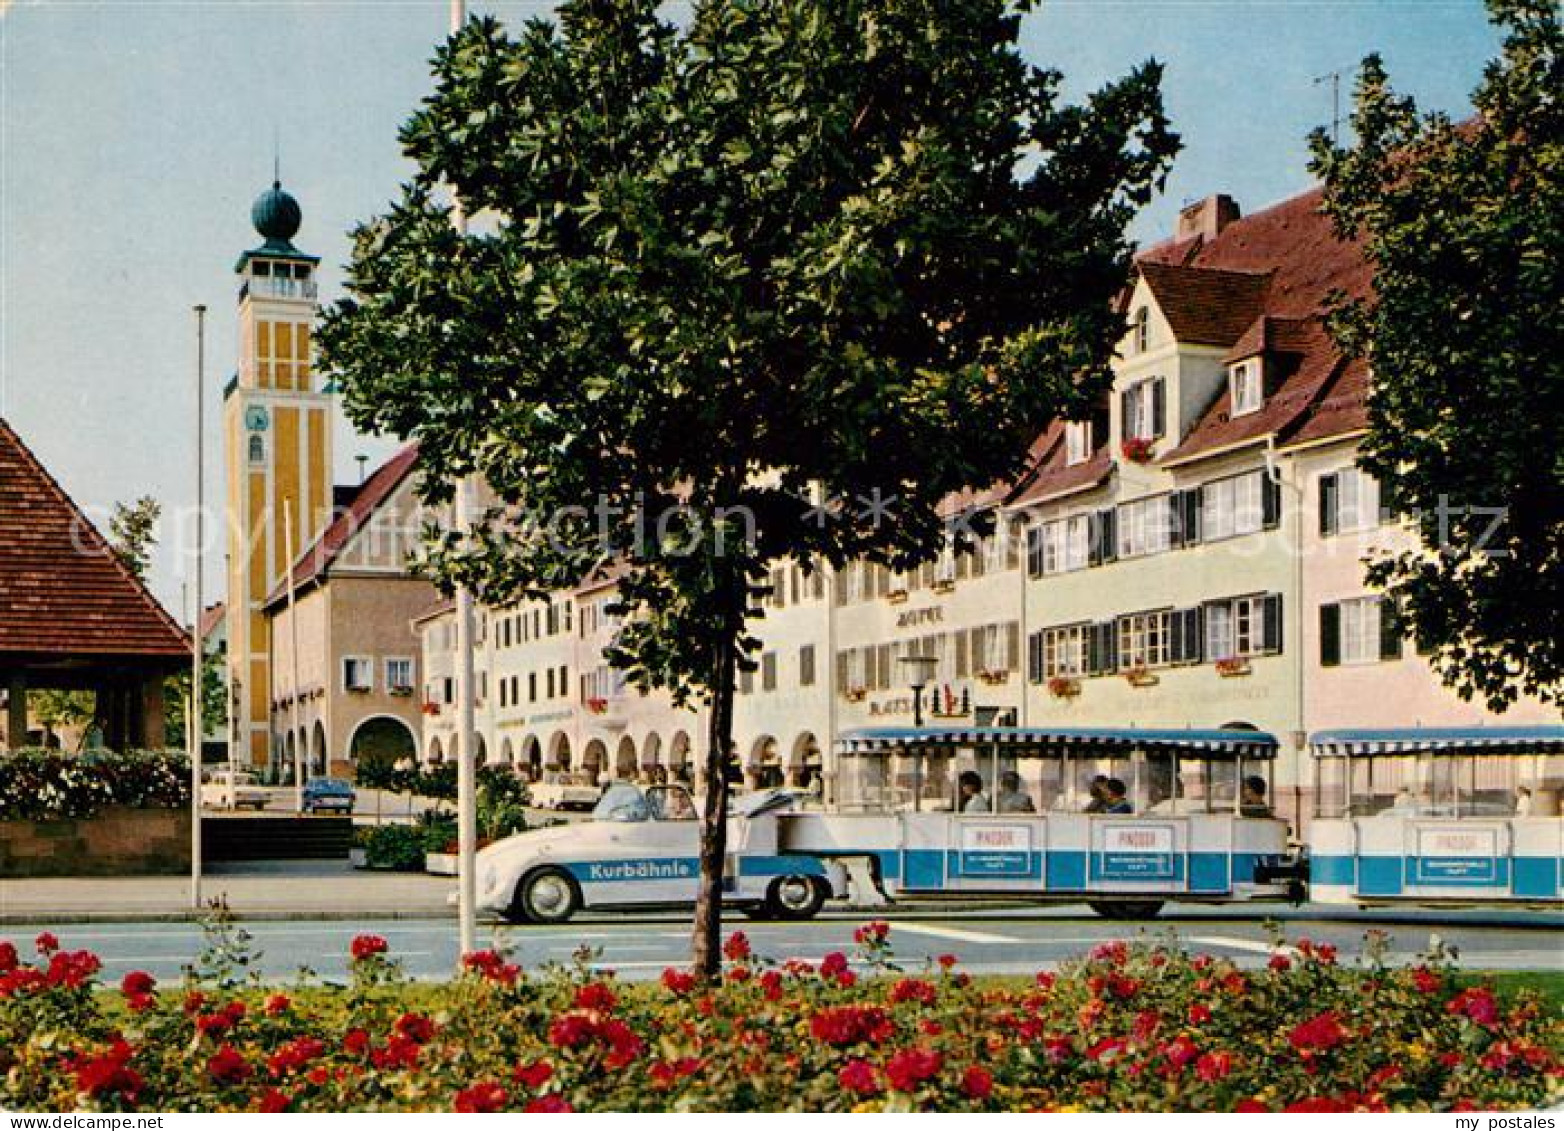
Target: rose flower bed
[1140,1026]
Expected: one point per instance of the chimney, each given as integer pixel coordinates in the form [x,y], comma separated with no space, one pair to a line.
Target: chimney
[1206,218]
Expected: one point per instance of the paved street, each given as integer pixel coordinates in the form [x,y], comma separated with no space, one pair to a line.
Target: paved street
[640,946]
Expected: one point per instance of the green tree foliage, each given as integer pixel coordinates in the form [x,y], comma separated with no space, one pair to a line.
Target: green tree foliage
[214,695]
[769,287]
[133,533]
[1464,225]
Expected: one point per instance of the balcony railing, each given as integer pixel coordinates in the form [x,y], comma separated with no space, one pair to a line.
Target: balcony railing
[269,286]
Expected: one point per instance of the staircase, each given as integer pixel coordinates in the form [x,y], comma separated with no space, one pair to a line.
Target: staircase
[276,838]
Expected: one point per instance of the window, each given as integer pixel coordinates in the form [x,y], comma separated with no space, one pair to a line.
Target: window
[1349,501]
[1140,330]
[257,450]
[1234,506]
[1064,545]
[549,683]
[564,678]
[358,673]
[532,687]
[1144,527]
[806,666]
[1077,442]
[1359,631]
[1144,409]
[994,647]
[768,671]
[1143,640]
[1246,390]
[1064,650]
[1243,626]
[747,681]
[399,673]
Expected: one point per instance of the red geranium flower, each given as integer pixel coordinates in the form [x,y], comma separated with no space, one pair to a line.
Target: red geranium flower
[294,1055]
[491,966]
[849,1024]
[551,1104]
[355,1042]
[771,983]
[736,949]
[977,1083]
[366,946]
[277,1004]
[1426,981]
[872,934]
[1478,1004]
[1249,1106]
[1280,963]
[833,965]
[137,982]
[487,1095]
[533,1076]
[596,996]
[1199,1014]
[860,1077]
[9,959]
[415,1027]
[914,989]
[228,1067]
[108,1074]
[1214,1066]
[678,982]
[1320,1033]
[46,943]
[273,1100]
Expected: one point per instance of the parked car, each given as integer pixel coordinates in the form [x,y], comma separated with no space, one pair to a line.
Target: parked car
[232,789]
[325,794]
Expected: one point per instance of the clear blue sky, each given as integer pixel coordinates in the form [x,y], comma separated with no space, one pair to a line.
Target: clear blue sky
[134,135]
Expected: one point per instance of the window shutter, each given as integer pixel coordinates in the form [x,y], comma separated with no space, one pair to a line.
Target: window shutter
[1094,539]
[1176,638]
[1107,533]
[1330,636]
[1270,501]
[1126,425]
[963,653]
[1012,536]
[1159,406]
[1110,645]
[1389,630]
[1272,617]
[1034,658]
[1012,646]
[1174,502]
[1093,653]
[1329,494]
[1034,551]
[1190,501]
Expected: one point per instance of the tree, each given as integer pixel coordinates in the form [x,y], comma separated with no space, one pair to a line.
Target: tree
[214,698]
[772,287]
[1464,226]
[133,533]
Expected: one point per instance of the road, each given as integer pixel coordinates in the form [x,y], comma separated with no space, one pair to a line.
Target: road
[641,946]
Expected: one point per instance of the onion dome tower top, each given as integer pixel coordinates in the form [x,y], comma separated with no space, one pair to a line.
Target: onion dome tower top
[276,216]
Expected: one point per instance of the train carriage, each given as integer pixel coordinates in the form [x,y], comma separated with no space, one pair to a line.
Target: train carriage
[1194,824]
[1460,816]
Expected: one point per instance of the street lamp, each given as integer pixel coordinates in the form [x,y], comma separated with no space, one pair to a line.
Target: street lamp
[920,672]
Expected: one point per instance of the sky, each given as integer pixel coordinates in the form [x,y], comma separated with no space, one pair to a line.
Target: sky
[134,135]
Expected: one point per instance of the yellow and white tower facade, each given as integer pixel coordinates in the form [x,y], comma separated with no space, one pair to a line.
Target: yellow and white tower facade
[277,445]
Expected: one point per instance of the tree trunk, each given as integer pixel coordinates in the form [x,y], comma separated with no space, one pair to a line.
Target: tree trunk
[707,941]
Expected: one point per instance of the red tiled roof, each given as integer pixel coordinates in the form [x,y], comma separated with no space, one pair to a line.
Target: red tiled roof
[63,590]
[350,519]
[211,617]
[1342,407]
[1206,306]
[1051,477]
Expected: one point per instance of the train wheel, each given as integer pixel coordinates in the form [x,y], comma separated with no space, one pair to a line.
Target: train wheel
[546,896]
[795,897]
[1133,909]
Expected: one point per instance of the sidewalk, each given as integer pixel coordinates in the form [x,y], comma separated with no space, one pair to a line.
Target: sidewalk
[276,890]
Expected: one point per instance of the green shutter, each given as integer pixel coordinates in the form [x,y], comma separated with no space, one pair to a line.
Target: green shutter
[1389,630]
[1329,494]
[1330,636]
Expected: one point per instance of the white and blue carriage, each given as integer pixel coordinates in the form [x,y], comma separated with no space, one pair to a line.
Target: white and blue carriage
[1465,816]
[1193,832]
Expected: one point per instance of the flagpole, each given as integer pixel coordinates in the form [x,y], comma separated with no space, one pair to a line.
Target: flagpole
[293,647]
[193,726]
[466,743]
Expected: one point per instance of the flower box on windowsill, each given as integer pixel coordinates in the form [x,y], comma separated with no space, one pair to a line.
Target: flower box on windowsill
[993,678]
[1137,449]
[1064,687]
[854,694]
[1233,667]
[357,689]
[401,692]
[943,585]
[1140,677]
[431,709]
[597,706]
[897,596]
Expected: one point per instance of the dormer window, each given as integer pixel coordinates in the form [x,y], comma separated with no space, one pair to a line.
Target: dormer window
[1244,385]
[1077,442]
[1143,410]
[1140,330]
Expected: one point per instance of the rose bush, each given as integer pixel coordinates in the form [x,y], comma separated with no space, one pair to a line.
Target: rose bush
[1131,1026]
[45,785]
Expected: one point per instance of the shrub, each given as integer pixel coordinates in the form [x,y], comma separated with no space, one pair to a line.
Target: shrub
[1130,1027]
[46,785]
[399,848]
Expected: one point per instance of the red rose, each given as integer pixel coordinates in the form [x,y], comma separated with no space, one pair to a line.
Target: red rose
[914,989]
[910,1067]
[1045,980]
[1179,1052]
[1249,1106]
[482,1097]
[273,1100]
[736,949]
[46,943]
[569,1031]
[946,961]
[872,934]
[366,946]
[678,982]
[1320,1033]
[1477,1004]
[355,1042]
[533,1076]
[1199,1014]
[415,1027]
[833,964]
[213,1024]
[1213,1066]
[491,966]
[294,1055]
[9,960]
[771,983]
[136,983]
[1425,980]
[277,1004]
[228,1067]
[596,996]
[860,1077]
[1280,963]
[551,1104]
[977,1083]
[108,1074]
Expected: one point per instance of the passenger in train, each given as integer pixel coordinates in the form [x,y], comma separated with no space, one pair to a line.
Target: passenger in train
[1115,795]
[1097,790]
[1522,800]
[973,799]
[1012,798]
[1251,798]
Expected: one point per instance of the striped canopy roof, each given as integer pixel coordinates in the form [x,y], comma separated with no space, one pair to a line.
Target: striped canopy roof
[1055,741]
[1437,740]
